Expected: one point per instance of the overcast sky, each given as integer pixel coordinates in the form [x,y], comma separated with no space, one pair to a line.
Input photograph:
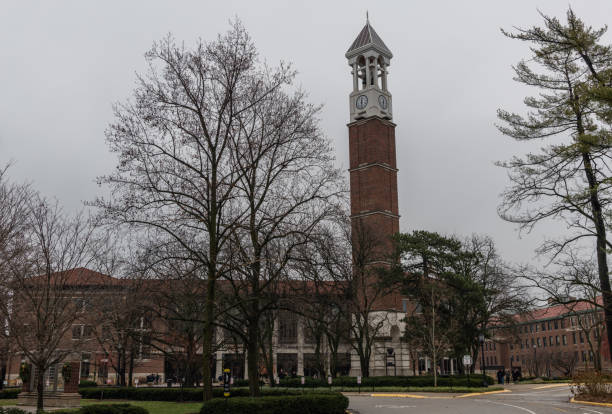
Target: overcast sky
[64,63]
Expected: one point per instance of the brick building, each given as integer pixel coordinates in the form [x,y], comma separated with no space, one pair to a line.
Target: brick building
[553,341]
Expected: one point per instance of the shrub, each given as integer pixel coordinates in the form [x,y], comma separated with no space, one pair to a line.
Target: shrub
[591,384]
[335,403]
[88,383]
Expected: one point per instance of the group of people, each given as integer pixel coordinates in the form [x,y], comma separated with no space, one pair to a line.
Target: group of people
[503,376]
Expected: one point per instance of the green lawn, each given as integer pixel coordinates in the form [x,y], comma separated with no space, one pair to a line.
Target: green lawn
[8,402]
[154,407]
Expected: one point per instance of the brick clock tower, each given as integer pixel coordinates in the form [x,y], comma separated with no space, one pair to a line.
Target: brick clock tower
[373,170]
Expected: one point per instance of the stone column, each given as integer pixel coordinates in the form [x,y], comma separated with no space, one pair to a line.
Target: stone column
[383,69]
[355,77]
[367,73]
[219,369]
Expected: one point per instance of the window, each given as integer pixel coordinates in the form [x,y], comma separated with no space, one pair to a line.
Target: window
[550,340]
[287,327]
[511,347]
[581,338]
[556,324]
[564,340]
[572,321]
[532,342]
[538,342]
[496,359]
[549,325]
[543,326]
[537,327]
[557,340]
[562,323]
[85,364]
[583,356]
[543,341]
[574,337]
[530,328]
[76,332]
[521,344]
[518,358]
[87,331]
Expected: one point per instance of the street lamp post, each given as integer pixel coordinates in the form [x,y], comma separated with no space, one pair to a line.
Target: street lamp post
[535,359]
[481,339]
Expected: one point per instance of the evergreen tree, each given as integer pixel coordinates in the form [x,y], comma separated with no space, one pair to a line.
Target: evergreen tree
[568,180]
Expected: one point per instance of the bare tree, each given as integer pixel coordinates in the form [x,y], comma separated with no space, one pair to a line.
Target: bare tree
[175,141]
[349,256]
[45,288]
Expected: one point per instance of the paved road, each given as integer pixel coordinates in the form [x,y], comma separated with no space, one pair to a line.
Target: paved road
[522,399]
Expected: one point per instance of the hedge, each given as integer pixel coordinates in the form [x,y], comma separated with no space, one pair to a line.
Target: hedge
[12,411]
[87,384]
[105,409]
[405,381]
[335,403]
[9,394]
[169,394]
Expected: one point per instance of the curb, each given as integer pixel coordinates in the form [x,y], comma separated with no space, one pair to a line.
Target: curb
[572,400]
[433,397]
[481,393]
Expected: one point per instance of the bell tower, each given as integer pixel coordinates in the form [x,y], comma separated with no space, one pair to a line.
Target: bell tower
[373,169]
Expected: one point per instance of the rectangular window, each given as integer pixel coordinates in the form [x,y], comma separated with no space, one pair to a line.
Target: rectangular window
[85,364]
[583,356]
[564,340]
[543,326]
[562,323]
[518,358]
[530,328]
[77,331]
[538,342]
[544,341]
[511,347]
[581,338]
[574,337]
[537,326]
[556,324]
[557,340]
[550,339]
[87,331]
[573,321]
[549,325]
[521,344]
[532,342]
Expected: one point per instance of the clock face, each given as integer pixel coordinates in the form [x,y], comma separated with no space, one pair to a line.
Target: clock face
[382,101]
[361,102]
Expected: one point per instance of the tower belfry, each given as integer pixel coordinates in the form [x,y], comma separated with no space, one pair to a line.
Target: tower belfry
[369,58]
[373,169]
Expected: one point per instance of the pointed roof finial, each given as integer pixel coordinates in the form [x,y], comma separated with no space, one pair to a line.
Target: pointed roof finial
[367,17]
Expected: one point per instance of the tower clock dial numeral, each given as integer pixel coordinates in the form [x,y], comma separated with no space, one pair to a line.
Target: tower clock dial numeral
[382,101]
[361,102]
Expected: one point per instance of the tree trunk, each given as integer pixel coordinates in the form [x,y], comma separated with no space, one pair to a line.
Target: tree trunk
[253,358]
[208,337]
[40,388]
[131,369]
[602,259]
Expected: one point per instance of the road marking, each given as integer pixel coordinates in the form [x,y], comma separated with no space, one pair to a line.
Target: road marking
[394,406]
[551,386]
[513,406]
[593,411]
